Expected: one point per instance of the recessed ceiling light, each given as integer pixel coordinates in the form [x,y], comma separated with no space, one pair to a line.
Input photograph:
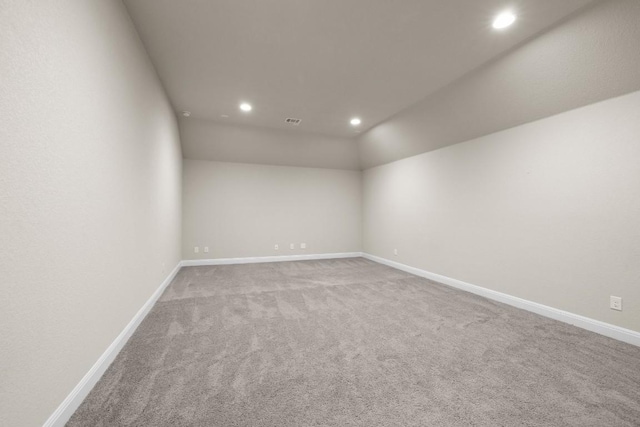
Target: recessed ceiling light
[186,113]
[224,116]
[355,121]
[503,20]
[245,107]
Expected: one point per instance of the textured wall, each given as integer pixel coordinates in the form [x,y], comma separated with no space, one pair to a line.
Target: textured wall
[243,210]
[207,140]
[546,211]
[89,194]
[589,58]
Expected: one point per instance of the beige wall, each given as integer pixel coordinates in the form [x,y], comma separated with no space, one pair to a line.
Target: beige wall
[243,210]
[89,194]
[548,211]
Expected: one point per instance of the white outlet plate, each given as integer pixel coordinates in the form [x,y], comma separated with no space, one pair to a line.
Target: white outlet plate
[303,246]
[292,246]
[615,303]
[276,247]
[395,252]
[196,249]
[206,249]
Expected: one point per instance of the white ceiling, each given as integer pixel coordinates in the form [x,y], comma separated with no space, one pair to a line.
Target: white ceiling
[591,57]
[324,61]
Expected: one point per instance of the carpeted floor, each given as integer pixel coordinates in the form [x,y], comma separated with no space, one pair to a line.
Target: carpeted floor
[354,343]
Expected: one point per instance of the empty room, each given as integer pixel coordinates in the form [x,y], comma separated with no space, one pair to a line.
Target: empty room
[292,213]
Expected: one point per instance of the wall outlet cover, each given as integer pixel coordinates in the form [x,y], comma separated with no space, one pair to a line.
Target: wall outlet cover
[196,249]
[615,303]
[303,246]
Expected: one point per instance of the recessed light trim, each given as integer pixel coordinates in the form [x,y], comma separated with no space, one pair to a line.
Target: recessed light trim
[504,20]
[186,113]
[246,107]
[355,121]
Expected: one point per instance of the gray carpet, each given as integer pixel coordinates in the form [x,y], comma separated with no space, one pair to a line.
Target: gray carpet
[354,343]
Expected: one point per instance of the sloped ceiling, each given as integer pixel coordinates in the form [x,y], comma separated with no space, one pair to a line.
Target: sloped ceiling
[591,57]
[421,74]
[324,61]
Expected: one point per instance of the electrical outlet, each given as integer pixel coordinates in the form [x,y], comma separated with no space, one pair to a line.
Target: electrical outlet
[395,252]
[303,246]
[292,246]
[276,247]
[196,249]
[206,249]
[615,303]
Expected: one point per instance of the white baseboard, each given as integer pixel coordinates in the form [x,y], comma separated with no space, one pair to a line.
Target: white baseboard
[62,414]
[602,328]
[66,409]
[253,260]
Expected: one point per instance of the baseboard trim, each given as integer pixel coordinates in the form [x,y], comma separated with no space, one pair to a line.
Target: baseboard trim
[62,414]
[602,328]
[66,409]
[254,260]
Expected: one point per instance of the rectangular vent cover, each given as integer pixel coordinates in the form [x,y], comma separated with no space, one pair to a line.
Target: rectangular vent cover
[292,121]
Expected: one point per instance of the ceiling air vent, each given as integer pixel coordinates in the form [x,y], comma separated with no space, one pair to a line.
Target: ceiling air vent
[292,121]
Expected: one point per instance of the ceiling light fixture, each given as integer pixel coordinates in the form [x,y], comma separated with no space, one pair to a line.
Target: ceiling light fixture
[355,121]
[503,20]
[245,107]
[186,113]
